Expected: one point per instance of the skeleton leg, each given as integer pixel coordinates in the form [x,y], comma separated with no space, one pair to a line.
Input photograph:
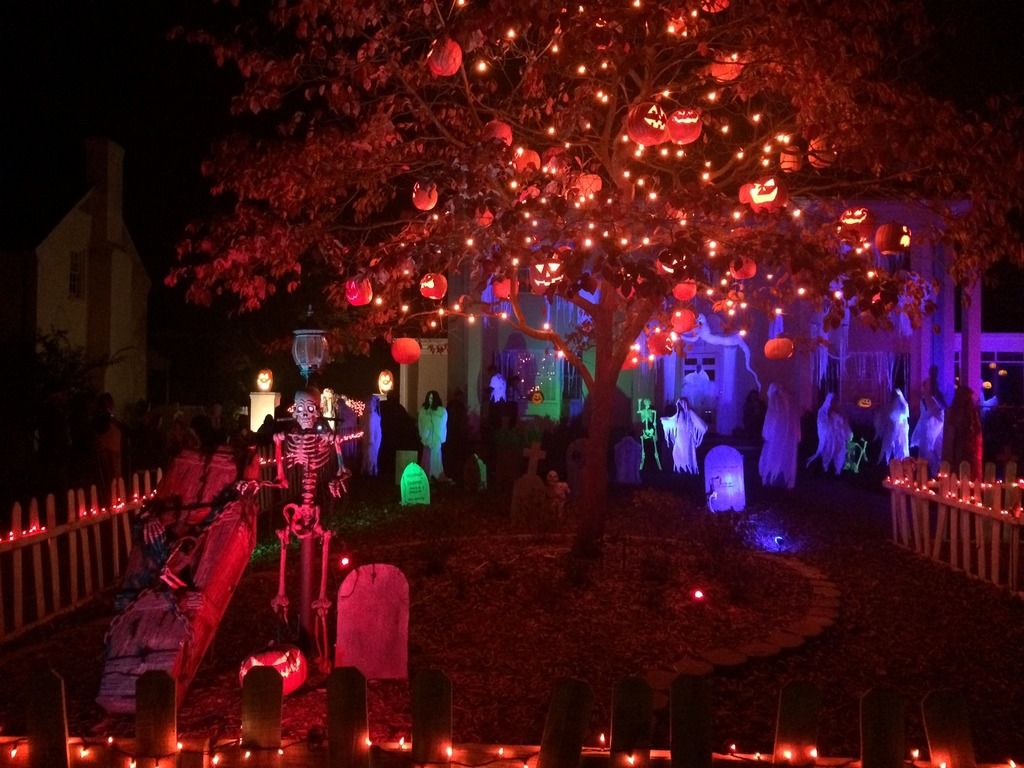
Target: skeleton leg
[280,602]
[321,606]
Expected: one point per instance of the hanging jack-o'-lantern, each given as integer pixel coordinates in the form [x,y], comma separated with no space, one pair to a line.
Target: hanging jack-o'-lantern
[587,185]
[536,395]
[684,290]
[767,195]
[725,69]
[502,287]
[287,661]
[358,293]
[445,57]
[424,196]
[405,351]
[683,320]
[779,348]
[742,268]
[264,380]
[484,217]
[684,125]
[647,124]
[856,225]
[819,153]
[672,263]
[496,130]
[433,285]
[660,343]
[714,6]
[526,159]
[628,280]
[791,159]
[892,238]
[548,271]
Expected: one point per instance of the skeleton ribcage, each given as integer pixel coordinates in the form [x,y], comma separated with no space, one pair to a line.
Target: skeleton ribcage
[311,451]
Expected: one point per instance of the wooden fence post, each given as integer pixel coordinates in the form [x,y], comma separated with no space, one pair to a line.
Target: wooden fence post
[882,729]
[796,730]
[922,509]
[51,550]
[156,728]
[947,729]
[966,559]
[632,720]
[431,717]
[1011,498]
[942,519]
[690,724]
[566,725]
[261,715]
[347,720]
[37,561]
[47,722]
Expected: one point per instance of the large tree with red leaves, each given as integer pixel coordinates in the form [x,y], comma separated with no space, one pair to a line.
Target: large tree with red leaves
[625,146]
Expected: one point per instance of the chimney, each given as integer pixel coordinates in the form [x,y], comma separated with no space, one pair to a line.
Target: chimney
[104,168]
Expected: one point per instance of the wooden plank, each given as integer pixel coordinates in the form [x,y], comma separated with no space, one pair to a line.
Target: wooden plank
[923,511]
[347,719]
[17,583]
[37,579]
[947,729]
[690,721]
[97,539]
[796,731]
[72,550]
[632,721]
[261,715]
[156,727]
[566,725]
[981,569]
[431,717]
[86,556]
[126,535]
[966,560]
[942,517]
[882,729]
[51,551]
[47,722]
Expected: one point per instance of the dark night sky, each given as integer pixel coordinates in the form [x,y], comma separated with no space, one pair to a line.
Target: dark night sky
[77,68]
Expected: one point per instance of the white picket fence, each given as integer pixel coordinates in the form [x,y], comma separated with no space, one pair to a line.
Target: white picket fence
[51,564]
[970,525]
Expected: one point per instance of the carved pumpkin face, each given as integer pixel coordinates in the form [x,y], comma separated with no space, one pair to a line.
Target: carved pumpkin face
[660,343]
[264,380]
[714,6]
[287,661]
[856,225]
[445,57]
[434,286]
[892,238]
[385,382]
[767,195]
[669,263]
[548,272]
[536,396]
[684,125]
[864,402]
[424,196]
[358,293]
[647,124]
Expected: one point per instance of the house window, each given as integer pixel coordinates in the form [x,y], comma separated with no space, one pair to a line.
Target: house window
[76,275]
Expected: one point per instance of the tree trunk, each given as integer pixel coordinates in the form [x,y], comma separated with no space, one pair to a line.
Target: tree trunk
[594,499]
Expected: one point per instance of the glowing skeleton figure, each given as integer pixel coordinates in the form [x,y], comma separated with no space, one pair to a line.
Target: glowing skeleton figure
[312,449]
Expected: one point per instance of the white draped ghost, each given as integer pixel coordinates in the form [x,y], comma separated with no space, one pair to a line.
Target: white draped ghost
[371,435]
[927,435]
[433,427]
[781,434]
[684,432]
[499,388]
[892,427]
[833,434]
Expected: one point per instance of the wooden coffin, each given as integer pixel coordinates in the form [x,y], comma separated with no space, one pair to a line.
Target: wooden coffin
[166,627]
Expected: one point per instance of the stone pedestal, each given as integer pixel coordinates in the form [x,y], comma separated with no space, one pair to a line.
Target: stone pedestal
[260,405]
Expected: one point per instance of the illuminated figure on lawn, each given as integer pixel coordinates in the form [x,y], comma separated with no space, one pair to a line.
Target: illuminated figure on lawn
[648,431]
[317,450]
[781,433]
[433,427]
[892,427]
[833,435]
[684,432]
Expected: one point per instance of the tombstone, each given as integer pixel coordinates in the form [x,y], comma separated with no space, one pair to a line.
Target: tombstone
[474,473]
[373,622]
[530,502]
[415,485]
[575,457]
[402,460]
[627,461]
[723,479]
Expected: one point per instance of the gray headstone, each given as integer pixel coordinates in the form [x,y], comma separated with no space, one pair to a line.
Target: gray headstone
[723,476]
[575,457]
[474,474]
[627,461]
[529,500]
[415,486]
[373,623]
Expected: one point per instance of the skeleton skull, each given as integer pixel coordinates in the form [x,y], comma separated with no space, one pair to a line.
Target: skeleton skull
[306,409]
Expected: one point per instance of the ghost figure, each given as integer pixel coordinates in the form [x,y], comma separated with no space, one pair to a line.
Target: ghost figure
[833,434]
[371,435]
[433,427]
[684,432]
[499,388]
[702,332]
[781,433]
[927,434]
[892,427]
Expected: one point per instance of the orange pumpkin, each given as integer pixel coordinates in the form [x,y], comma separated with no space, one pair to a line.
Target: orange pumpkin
[779,348]
[647,124]
[405,351]
[434,285]
[660,343]
[742,268]
[683,320]
[445,57]
[526,159]
[856,225]
[819,153]
[684,125]
[588,184]
[685,290]
[549,271]
[892,238]
[265,380]
[714,6]
[502,287]
[484,217]
[496,130]
[287,661]
[767,195]
[791,159]
[424,196]
[726,68]
[358,293]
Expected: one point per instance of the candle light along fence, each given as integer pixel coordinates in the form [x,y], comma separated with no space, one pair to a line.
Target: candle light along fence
[970,525]
[563,743]
[48,568]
